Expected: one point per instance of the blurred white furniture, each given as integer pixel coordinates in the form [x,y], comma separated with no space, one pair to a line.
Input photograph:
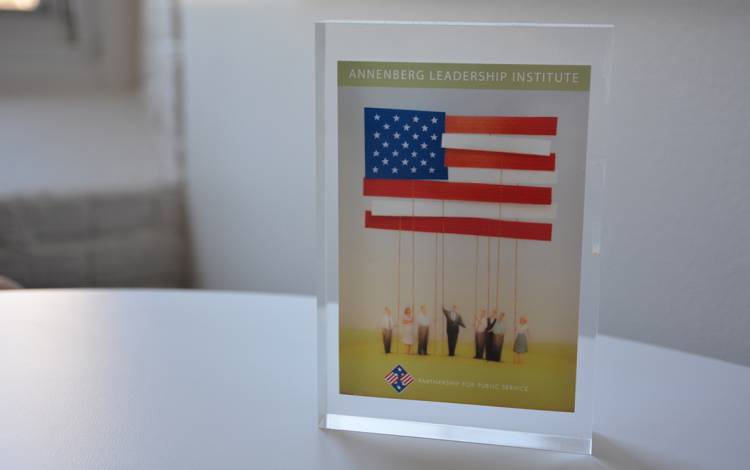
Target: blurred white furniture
[95,239]
[186,379]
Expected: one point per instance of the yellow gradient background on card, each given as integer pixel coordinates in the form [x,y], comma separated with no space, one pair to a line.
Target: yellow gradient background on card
[545,380]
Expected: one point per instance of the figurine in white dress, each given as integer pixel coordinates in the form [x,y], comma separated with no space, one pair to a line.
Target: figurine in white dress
[521,343]
[407,329]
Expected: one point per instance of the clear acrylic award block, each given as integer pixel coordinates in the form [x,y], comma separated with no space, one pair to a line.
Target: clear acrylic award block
[459,196]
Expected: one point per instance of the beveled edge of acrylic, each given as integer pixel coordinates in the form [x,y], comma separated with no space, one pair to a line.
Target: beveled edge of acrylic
[448,432]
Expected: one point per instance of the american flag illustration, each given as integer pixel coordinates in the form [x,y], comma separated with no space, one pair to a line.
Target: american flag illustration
[492,176]
[399,379]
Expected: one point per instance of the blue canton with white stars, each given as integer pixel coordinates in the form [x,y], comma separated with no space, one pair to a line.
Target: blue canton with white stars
[404,144]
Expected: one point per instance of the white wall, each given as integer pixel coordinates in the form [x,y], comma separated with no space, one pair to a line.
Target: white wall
[78,142]
[674,268]
[160,74]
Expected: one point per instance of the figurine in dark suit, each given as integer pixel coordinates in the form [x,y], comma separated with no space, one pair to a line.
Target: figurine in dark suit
[489,337]
[480,333]
[497,334]
[387,328]
[453,322]
[423,330]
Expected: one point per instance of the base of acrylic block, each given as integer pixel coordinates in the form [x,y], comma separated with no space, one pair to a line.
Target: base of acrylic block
[448,432]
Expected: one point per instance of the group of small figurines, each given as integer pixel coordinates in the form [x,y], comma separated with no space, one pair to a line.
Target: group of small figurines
[489,333]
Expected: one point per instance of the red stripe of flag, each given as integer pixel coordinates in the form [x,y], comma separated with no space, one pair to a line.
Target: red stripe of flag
[462,226]
[448,191]
[498,160]
[524,125]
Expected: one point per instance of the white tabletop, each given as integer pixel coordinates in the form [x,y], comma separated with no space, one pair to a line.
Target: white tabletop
[126,379]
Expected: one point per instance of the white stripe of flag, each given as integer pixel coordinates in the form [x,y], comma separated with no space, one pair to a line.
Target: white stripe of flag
[497,143]
[491,176]
[434,208]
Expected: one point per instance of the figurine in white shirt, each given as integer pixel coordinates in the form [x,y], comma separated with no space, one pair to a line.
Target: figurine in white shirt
[480,328]
[407,329]
[521,343]
[387,327]
[423,330]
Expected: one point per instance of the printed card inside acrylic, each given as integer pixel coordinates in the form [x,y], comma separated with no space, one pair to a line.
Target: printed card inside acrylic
[459,289]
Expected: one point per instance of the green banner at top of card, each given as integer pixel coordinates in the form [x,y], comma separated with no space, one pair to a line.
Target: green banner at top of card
[467,76]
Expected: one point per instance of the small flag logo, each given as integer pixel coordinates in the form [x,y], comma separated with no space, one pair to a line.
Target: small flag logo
[399,379]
